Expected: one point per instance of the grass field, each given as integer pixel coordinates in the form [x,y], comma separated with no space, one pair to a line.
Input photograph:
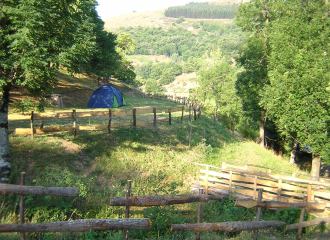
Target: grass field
[157,160]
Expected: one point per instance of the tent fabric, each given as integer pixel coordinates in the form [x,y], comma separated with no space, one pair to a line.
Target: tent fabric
[106,96]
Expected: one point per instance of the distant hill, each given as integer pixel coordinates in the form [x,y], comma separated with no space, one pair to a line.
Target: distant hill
[156,18]
[169,50]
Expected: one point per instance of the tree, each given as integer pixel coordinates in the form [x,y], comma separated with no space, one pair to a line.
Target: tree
[254,17]
[213,78]
[36,37]
[124,45]
[296,98]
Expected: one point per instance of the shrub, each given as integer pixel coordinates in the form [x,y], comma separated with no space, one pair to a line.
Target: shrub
[24,105]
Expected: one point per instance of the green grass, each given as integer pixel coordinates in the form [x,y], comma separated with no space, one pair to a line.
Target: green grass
[157,160]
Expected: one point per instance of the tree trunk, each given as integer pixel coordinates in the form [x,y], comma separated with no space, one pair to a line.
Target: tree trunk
[293,153]
[262,129]
[4,141]
[316,164]
[226,226]
[79,225]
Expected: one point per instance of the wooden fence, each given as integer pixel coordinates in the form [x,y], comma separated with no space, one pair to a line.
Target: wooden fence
[148,201]
[163,200]
[243,183]
[64,226]
[195,110]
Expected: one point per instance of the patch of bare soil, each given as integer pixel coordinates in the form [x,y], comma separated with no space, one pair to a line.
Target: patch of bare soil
[69,146]
[182,84]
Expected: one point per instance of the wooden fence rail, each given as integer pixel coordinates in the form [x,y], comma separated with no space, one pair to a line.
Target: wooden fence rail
[9,189]
[244,183]
[79,225]
[226,226]
[231,166]
[111,125]
[160,200]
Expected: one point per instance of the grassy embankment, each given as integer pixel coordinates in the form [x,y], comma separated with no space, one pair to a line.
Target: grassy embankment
[157,160]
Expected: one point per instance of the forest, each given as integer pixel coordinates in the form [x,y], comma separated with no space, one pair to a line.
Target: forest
[202,10]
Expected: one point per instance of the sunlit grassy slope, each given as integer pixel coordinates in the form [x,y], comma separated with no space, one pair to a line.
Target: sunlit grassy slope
[156,160]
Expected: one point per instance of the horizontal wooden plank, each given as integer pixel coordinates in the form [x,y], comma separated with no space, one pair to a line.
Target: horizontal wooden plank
[64,115]
[22,131]
[321,200]
[269,183]
[251,186]
[16,116]
[321,194]
[43,115]
[228,165]
[10,189]
[101,113]
[144,111]
[307,223]
[315,206]
[174,110]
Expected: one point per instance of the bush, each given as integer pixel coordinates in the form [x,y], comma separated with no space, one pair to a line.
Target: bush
[180,20]
[24,105]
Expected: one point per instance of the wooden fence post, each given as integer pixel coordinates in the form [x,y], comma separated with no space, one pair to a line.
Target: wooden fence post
[22,206]
[169,116]
[309,193]
[255,187]
[128,193]
[182,114]
[199,213]
[230,182]
[255,235]
[32,128]
[74,122]
[279,190]
[110,119]
[207,181]
[155,117]
[134,117]
[301,219]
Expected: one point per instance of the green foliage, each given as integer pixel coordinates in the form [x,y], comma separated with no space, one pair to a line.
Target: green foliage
[296,98]
[286,70]
[180,20]
[56,208]
[202,10]
[161,217]
[24,105]
[153,87]
[216,89]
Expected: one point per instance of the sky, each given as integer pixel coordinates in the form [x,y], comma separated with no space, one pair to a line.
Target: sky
[110,8]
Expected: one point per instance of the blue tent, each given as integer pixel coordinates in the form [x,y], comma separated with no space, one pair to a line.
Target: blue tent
[106,96]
